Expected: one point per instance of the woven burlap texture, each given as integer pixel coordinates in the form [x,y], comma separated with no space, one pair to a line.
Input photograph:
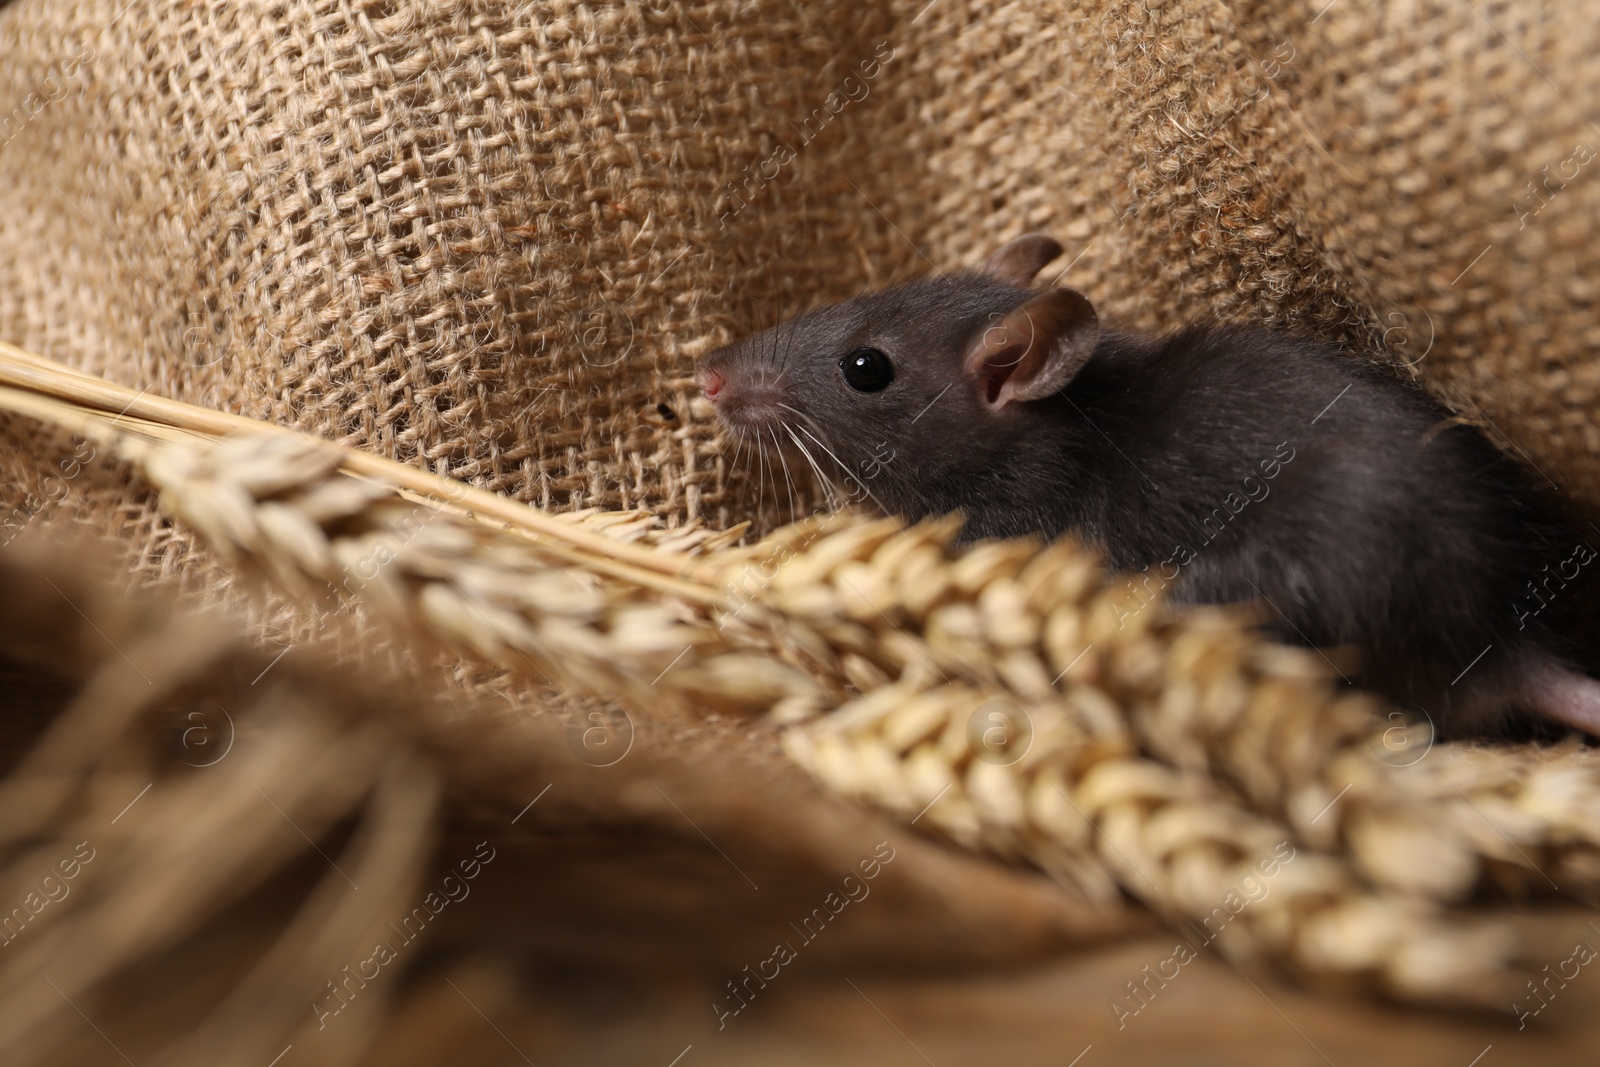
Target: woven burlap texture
[492,238]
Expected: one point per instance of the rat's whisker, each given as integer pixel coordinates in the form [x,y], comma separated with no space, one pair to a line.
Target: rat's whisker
[720,443]
[813,430]
[788,479]
[761,481]
[738,450]
[829,489]
[847,471]
[796,411]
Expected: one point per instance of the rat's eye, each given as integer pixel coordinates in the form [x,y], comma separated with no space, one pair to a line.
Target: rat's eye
[867,370]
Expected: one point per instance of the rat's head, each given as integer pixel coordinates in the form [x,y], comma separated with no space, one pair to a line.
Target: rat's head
[895,395]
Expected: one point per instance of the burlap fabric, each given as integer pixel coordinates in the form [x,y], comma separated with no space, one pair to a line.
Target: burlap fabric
[491,239]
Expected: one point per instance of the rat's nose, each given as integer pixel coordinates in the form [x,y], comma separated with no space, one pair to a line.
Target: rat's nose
[711,383]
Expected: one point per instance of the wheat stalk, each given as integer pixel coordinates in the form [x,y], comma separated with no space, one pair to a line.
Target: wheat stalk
[1167,756]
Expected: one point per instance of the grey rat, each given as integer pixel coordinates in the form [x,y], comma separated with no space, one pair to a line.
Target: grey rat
[1227,464]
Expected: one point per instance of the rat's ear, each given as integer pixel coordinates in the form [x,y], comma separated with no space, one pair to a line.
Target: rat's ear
[1021,258]
[1035,350]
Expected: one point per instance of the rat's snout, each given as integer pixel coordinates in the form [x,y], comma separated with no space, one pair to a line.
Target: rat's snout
[741,398]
